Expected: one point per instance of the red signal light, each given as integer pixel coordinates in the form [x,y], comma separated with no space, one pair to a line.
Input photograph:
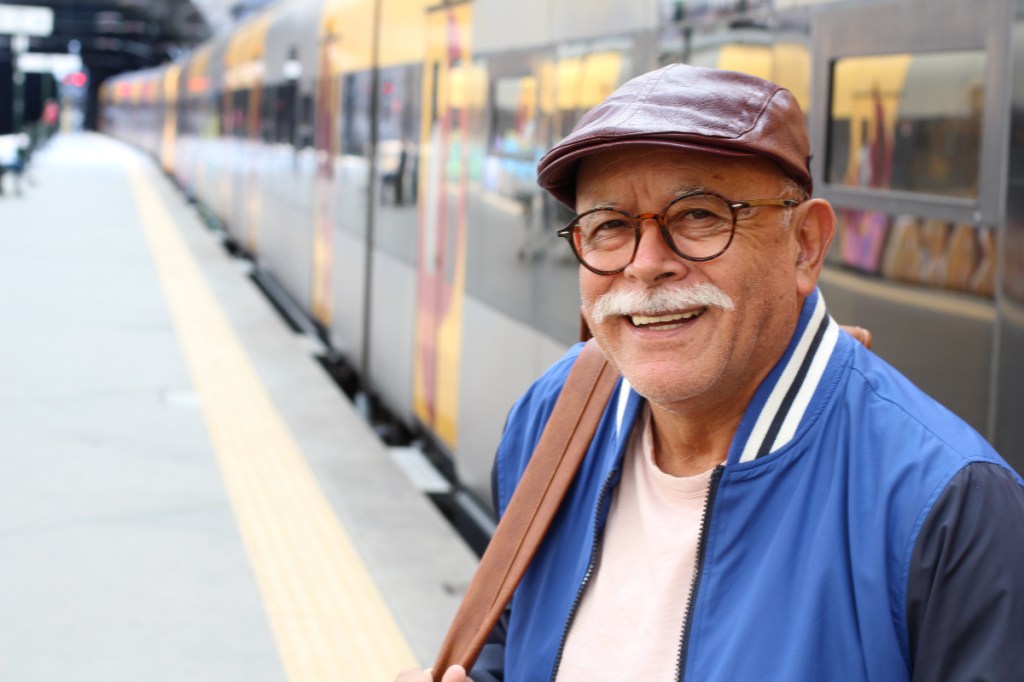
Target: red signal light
[76,79]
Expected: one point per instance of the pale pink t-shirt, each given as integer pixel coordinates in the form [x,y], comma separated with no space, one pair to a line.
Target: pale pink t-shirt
[630,623]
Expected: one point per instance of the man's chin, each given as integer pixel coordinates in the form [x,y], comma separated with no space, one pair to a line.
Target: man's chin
[663,382]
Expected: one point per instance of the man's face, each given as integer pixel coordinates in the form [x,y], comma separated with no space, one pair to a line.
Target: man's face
[714,357]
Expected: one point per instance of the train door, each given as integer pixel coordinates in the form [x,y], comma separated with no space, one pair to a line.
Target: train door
[232,103]
[190,166]
[216,191]
[345,143]
[169,133]
[252,144]
[244,80]
[444,177]
[909,125]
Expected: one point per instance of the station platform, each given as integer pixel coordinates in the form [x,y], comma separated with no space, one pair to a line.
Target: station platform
[184,492]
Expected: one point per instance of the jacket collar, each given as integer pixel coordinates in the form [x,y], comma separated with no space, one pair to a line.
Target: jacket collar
[782,400]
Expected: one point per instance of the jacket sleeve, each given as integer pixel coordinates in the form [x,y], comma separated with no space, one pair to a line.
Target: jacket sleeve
[965,590]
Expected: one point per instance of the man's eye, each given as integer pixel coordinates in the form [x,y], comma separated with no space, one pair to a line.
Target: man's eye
[696,215]
[612,225]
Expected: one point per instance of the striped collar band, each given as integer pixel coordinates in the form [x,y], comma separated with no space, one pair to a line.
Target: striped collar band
[780,403]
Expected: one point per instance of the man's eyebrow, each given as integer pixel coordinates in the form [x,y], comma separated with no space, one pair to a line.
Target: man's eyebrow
[688,189]
[603,203]
[674,194]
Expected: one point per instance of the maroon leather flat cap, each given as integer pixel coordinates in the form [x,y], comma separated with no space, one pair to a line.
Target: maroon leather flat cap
[686,107]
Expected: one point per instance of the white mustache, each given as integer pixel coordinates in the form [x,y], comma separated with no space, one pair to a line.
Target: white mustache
[659,300]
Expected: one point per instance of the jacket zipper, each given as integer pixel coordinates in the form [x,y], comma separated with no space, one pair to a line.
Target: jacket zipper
[705,522]
[586,576]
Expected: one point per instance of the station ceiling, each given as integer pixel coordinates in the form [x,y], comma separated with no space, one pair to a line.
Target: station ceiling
[123,35]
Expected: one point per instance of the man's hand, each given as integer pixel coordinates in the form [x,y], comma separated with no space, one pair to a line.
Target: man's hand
[860,333]
[456,673]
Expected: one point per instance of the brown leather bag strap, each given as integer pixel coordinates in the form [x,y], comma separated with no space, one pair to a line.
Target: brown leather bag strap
[549,474]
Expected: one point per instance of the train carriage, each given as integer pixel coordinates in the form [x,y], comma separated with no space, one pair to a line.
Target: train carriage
[285,181]
[377,159]
[195,99]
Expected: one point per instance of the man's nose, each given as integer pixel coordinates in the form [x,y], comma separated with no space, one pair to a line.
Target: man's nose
[654,259]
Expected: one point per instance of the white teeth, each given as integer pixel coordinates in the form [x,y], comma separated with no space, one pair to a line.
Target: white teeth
[644,320]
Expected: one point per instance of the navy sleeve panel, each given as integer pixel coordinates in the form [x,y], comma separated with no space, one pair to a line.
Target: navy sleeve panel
[965,595]
[490,665]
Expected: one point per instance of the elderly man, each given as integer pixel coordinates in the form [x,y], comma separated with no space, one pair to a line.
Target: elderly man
[764,499]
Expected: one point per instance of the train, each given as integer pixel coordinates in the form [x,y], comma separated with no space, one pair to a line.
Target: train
[376,159]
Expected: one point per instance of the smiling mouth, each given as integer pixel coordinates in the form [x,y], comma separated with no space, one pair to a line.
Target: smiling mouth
[667,321]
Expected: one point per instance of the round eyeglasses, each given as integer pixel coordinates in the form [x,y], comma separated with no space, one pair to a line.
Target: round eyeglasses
[697,226]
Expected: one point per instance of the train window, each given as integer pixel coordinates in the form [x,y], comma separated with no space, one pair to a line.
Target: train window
[399,104]
[691,10]
[514,117]
[398,160]
[239,112]
[181,106]
[909,122]
[510,165]
[223,113]
[355,114]
[267,118]
[284,113]
[304,132]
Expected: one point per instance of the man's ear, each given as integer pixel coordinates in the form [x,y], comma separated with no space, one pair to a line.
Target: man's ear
[815,224]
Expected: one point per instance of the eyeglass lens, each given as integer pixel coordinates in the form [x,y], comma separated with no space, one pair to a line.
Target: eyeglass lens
[699,226]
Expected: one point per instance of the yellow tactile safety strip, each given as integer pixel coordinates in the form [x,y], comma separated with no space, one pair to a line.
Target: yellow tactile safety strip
[328,619]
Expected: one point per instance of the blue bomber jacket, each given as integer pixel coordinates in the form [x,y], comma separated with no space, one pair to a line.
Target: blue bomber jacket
[857,531]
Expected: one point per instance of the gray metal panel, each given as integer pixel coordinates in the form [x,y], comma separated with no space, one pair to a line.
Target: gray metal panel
[500,26]
[580,19]
[293,25]
[504,26]
[942,342]
[946,352]
[392,332]
[348,287]
[286,225]
[501,357]
[299,29]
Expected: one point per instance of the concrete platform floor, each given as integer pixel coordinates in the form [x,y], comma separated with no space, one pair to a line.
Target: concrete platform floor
[184,494]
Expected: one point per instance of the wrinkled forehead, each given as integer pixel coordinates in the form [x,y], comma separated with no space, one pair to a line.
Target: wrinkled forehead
[613,176]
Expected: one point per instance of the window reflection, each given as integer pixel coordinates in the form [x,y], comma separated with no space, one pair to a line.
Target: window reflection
[514,108]
[513,145]
[584,76]
[909,122]
[355,114]
[918,250]
[689,10]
